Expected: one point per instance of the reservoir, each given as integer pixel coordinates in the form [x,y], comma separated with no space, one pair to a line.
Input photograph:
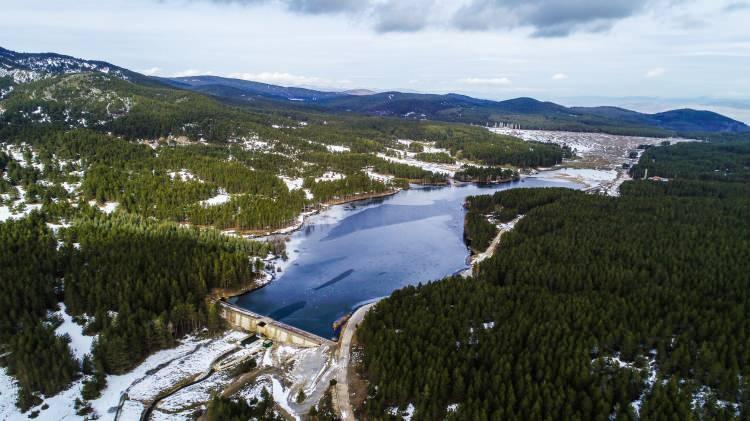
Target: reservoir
[351,254]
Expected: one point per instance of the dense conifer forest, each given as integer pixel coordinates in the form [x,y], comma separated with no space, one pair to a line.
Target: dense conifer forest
[583,302]
[139,283]
[167,161]
[592,308]
[225,409]
[485,174]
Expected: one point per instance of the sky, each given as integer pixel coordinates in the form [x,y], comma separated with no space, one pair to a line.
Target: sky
[651,53]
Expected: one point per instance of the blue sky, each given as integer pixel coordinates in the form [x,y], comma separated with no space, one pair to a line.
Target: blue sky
[681,50]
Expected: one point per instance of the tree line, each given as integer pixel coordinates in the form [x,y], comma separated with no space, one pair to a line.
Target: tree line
[584,301]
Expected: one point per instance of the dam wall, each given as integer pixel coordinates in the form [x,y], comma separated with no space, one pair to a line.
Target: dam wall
[244,319]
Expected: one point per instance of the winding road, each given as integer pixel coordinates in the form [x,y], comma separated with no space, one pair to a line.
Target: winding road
[344,355]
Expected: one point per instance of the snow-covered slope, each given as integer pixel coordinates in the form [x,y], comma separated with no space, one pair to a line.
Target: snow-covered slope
[28,67]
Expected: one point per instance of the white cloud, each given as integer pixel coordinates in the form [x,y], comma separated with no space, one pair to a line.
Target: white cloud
[152,71]
[655,72]
[559,76]
[288,79]
[478,81]
[191,72]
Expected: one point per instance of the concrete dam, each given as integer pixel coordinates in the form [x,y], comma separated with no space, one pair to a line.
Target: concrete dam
[272,329]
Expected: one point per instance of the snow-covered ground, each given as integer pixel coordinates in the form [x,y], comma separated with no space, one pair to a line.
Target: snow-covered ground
[588,177]
[449,169]
[600,156]
[107,207]
[584,143]
[405,413]
[330,176]
[8,393]
[183,175]
[383,178]
[61,405]
[292,183]
[594,150]
[255,144]
[184,367]
[13,212]
[616,361]
[80,344]
[337,148]
[221,197]
[107,404]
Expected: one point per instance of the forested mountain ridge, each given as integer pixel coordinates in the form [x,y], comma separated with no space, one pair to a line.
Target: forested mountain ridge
[212,85]
[26,67]
[592,307]
[219,149]
[529,113]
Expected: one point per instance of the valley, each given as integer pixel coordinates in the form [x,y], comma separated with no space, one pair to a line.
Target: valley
[460,258]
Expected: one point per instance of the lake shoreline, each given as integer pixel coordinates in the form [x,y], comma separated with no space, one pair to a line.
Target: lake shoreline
[312,263]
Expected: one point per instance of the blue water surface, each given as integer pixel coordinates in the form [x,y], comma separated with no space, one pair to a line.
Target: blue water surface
[361,251]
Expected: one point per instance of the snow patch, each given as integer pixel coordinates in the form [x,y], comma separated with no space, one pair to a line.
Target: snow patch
[220,198]
[80,344]
[337,148]
[292,183]
[330,176]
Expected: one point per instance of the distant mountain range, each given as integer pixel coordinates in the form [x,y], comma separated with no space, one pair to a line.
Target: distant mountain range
[528,112]
[525,112]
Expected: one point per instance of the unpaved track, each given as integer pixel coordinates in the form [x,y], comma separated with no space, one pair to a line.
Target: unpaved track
[344,355]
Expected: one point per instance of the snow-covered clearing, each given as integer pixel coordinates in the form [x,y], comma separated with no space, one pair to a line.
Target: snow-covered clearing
[221,197]
[705,394]
[199,393]
[19,208]
[255,144]
[144,381]
[449,169]
[588,177]
[595,150]
[383,178]
[71,187]
[337,148]
[194,395]
[80,344]
[405,414]
[584,143]
[61,405]
[600,157]
[330,176]
[8,393]
[281,396]
[183,175]
[292,183]
[107,207]
[184,367]
[618,362]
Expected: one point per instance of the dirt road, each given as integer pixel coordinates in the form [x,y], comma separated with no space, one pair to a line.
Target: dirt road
[342,381]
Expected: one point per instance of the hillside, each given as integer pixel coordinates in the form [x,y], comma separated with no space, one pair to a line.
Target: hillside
[27,67]
[213,85]
[126,201]
[529,113]
[591,308]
